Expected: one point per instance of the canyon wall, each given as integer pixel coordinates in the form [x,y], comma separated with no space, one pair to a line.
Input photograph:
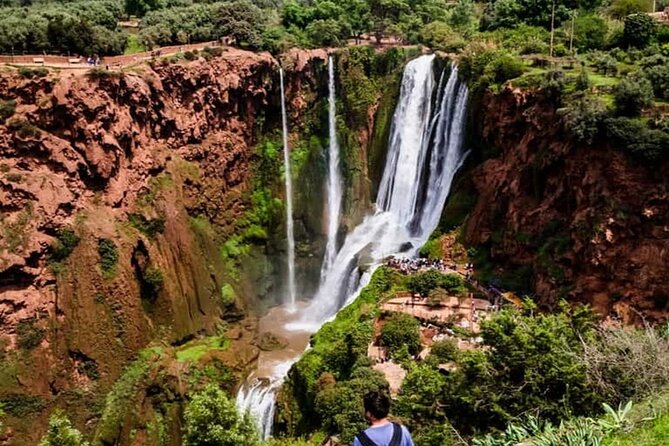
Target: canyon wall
[563,219]
[142,226]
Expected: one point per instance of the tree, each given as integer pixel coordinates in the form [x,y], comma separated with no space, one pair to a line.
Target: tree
[386,13]
[141,7]
[440,36]
[639,30]
[463,15]
[590,32]
[61,432]
[622,8]
[211,419]
[326,32]
[632,94]
[401,329]
[243,21]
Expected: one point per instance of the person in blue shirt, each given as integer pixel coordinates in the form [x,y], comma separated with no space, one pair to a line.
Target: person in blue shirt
[382,432]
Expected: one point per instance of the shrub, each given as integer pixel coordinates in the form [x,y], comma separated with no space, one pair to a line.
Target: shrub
[61,432]
[446,350]
[590,32]
[7,109]
[627,363]
[635,138]
[97,74]
[622,8]
[153,278]
[584,118]
[486,66]
[22,128]
[582,81]
[108,256]
[228,295]
[28,334]
[149,227]
[639,30]
[632,94]
[401,329]
[211,418]
[65,242]
[33,73]
[440,36]
[422,283]
[657,71]
[189,55]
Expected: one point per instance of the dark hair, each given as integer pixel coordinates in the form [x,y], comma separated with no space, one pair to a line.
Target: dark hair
[377,404]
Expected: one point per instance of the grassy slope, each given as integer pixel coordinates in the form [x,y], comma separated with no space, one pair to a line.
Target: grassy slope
[653,433]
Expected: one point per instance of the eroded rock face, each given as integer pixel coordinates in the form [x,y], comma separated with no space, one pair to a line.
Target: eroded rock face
[149,171]
[585,223]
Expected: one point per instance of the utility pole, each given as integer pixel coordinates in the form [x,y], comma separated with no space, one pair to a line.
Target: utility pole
[552,27]
[571,37]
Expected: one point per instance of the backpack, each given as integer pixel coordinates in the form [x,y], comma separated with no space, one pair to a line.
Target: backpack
[396,439]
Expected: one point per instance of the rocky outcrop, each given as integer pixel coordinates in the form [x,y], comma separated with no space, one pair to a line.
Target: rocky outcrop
[582,222]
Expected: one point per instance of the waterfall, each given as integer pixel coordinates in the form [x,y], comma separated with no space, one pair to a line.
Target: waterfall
[290,236]
[334,183]
[424,153]
[258,399]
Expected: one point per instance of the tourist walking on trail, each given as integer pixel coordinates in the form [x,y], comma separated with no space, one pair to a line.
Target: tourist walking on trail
[382,432]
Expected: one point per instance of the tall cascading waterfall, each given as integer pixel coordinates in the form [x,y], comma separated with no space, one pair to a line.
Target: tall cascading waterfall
[290,236]
[424,153]
[334,182]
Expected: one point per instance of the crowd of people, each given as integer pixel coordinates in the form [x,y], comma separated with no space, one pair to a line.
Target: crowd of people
[409,266]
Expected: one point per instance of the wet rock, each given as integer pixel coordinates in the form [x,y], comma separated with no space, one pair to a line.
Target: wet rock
[270,342]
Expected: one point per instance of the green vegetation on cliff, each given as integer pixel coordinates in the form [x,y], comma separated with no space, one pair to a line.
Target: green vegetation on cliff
[554,366]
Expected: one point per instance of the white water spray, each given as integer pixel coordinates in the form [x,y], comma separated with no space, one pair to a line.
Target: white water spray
[290,236]
[334,183]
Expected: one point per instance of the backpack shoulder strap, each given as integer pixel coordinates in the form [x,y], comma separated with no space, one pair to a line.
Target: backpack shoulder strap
[397,435]
[365,440]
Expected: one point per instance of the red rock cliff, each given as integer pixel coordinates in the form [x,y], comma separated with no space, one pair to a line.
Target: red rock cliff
[147,168]
[581,222]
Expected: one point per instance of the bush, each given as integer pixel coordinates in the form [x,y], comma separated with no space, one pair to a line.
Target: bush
[440,36]
[590,32]
[582,81]
[627,363]
[33,73]
[399,330]
[7,109]
[65,242]
[622,8]
[147,226]
[61,432]
[446,350]
[584,118]
[639,31]
[23,128]
[228,295]
[153,279]
[656,69]
[28,334]
[424,282]
[634,137]
[486,66]
[211,418]
[633,94]
[108,256]
[98,74]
